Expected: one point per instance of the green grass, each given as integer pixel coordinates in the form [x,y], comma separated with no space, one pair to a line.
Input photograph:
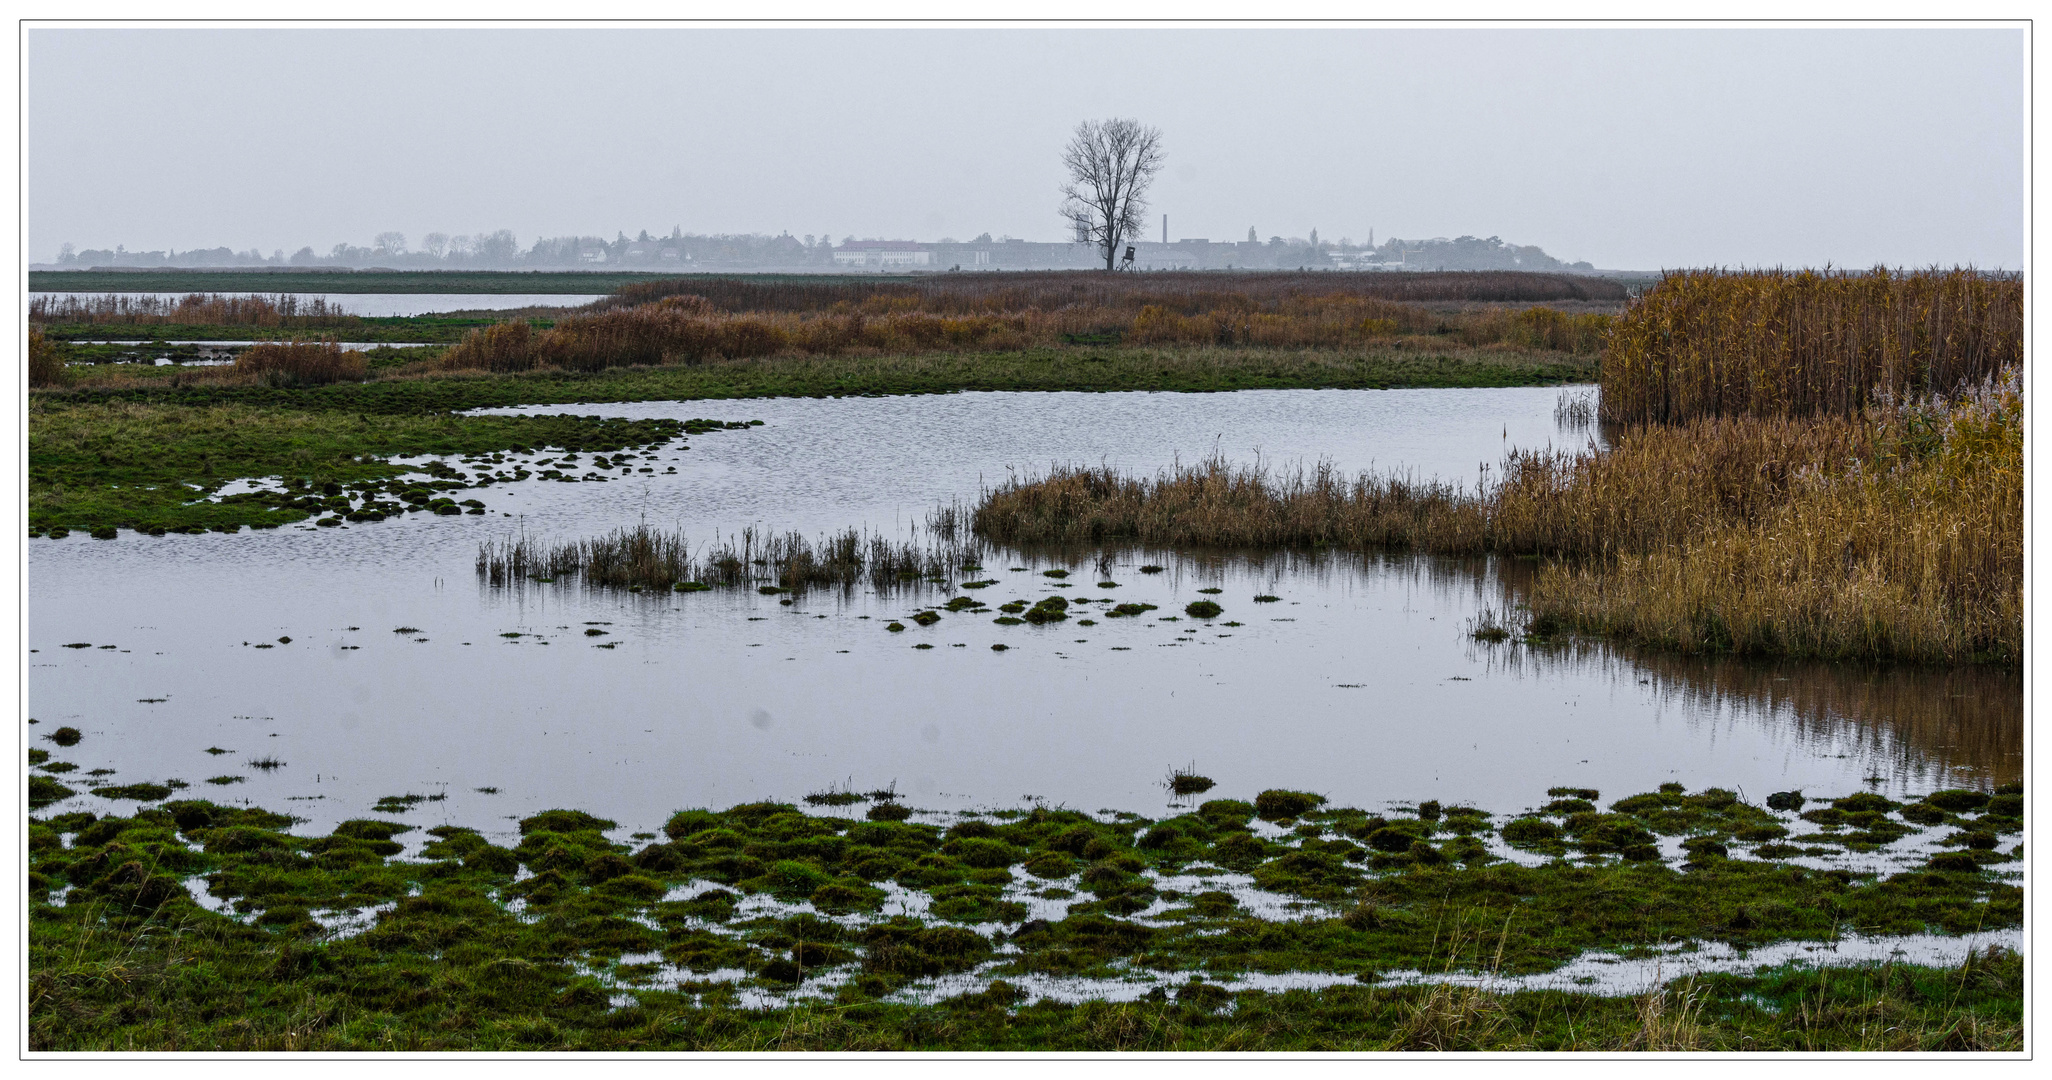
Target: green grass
[1081,369]
[147,466]
[129,960]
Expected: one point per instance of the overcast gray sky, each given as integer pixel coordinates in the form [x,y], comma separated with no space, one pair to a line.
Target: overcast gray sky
[1630,148]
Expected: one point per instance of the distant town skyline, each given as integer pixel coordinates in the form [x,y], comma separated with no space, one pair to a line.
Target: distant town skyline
[1629,148]
[684,252]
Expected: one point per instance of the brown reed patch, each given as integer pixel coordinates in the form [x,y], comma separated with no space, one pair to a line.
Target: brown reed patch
[45,365]
[301,363]
[1798,343]
[1915,552]
[657,323]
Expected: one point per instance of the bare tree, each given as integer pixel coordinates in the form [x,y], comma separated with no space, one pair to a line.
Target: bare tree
[435,244]
[390,243]
[1111,163]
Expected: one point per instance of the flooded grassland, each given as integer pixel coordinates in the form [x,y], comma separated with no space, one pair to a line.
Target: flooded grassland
[396,801]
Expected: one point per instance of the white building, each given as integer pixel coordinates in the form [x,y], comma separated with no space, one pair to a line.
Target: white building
[883,253]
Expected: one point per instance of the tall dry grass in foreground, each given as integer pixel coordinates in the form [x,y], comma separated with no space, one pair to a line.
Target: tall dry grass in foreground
[195,309]
[1798,343]
[1897,534]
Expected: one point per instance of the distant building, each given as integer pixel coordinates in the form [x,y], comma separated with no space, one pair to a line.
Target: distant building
[883,253]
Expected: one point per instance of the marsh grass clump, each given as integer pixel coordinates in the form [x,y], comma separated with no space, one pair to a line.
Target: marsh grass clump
[1050,609]
[1489,625]
[141,792]
[1277,804]
[1203,609]
[42,791]
[1187,781]
[654,559]
[65,736]
[266,763]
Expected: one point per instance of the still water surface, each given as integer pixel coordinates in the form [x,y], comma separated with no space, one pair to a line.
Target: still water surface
[386,305]
[1361,682]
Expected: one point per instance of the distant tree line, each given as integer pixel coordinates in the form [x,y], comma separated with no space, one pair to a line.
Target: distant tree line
[681,251]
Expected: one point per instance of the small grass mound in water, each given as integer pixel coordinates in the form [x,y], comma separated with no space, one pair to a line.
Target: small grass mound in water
[224,781]
[1186,781]
[1054,573]
[894,627]
[1150,568]
[143,792]
[42,791]
[266,763]
[1265,598]
[65,736]
[1203,609]
[1276,804]
[1052,609]
[1125,611]
[926,618]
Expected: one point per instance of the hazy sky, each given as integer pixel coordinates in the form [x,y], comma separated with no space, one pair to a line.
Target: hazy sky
[1633,149]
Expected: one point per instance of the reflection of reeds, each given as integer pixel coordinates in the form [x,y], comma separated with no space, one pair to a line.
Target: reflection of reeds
[1797,343]
[196,309]
[648,558]
[1956,726]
